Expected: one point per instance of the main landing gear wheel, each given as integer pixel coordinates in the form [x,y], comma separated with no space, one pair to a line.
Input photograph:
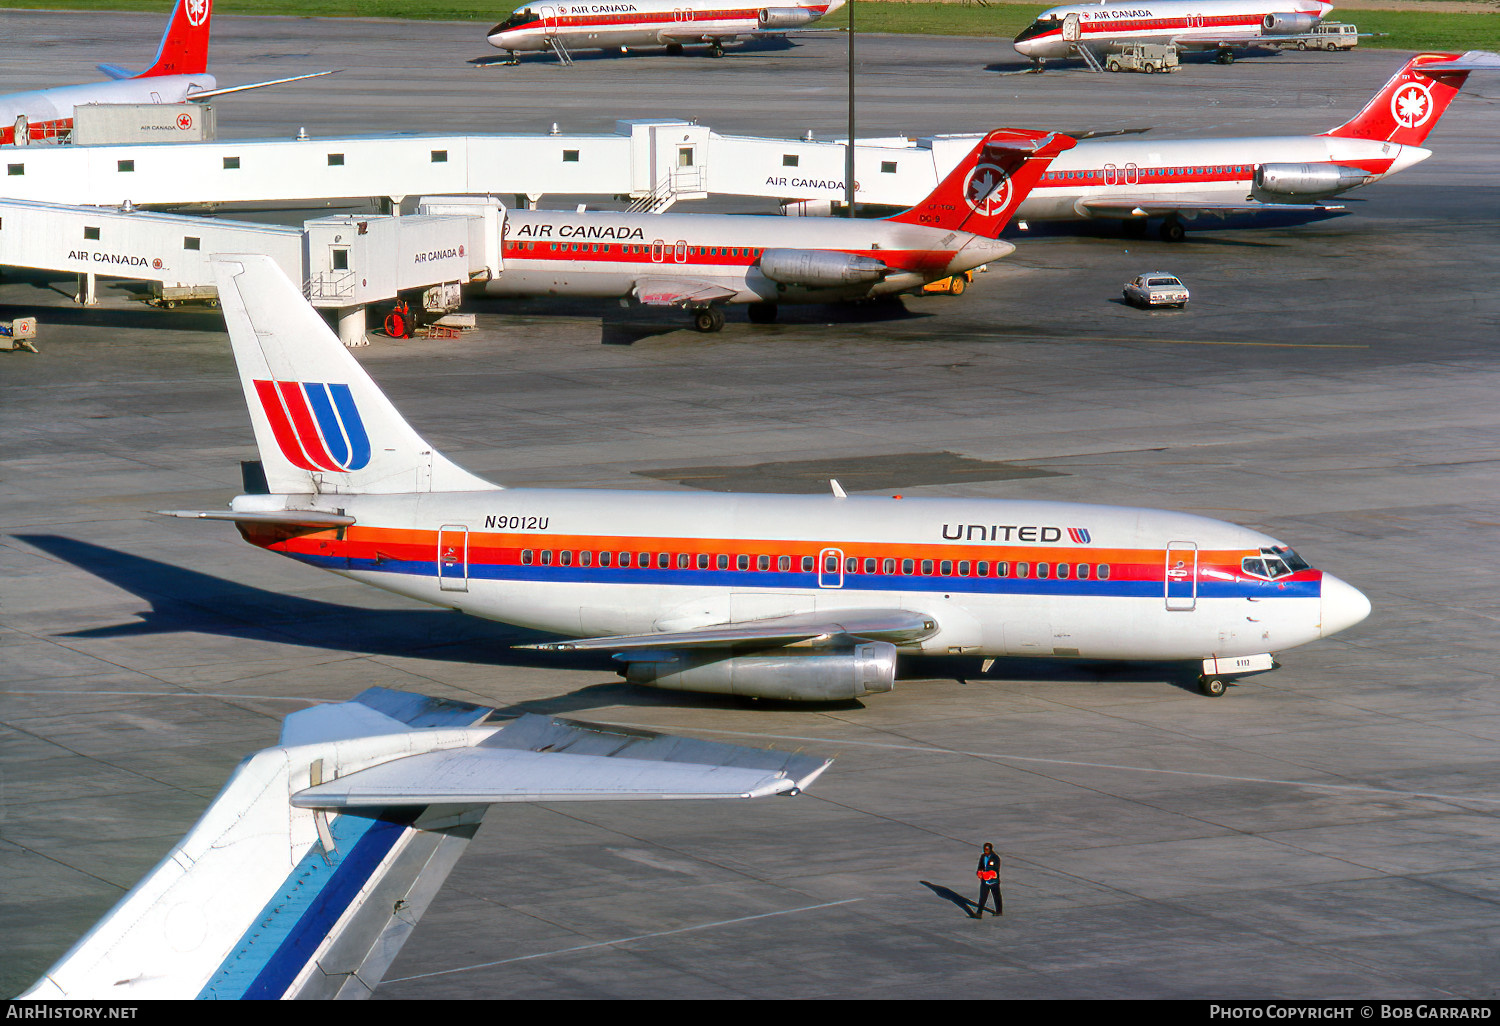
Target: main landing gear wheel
[716,50]
[762,313]
[710,318]
[1213,687]
[1225,57]
[1172,231]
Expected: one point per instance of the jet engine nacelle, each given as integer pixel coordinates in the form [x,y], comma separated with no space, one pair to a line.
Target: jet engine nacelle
[797,675]
[819,267]
[785,17]
[1307,180]
[1288,24]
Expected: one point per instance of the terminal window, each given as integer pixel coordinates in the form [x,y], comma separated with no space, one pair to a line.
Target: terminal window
[789,160]
[91,233]
[440,156]
[231,163]
[15,169]
[125,165]
[335,160]
[887,167]
[341,260]
[189,242]
[570,156]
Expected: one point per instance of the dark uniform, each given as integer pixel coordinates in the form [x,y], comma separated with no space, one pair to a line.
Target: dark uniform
[989,862]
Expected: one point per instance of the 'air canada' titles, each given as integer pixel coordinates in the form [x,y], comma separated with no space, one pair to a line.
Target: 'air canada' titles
[578,231]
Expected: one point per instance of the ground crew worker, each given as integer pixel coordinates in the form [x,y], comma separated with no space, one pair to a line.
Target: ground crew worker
[989,882]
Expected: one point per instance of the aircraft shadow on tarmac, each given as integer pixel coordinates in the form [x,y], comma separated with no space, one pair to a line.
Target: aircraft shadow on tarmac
[187,601]
[1022,65]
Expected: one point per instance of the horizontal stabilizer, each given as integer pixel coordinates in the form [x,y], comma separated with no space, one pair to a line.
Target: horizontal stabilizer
[483,776]
[288,517]
[894,625]
[1473,60]
[678,292]
[277,892]
[209,94]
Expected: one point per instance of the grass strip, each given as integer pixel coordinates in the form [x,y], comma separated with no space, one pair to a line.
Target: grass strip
[1401,30]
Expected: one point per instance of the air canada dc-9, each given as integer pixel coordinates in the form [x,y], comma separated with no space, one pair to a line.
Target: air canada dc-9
[1218,25]
[794,597]
[565,27]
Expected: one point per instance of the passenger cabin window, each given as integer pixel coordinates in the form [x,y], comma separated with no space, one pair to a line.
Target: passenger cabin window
[807,564]
[784,563]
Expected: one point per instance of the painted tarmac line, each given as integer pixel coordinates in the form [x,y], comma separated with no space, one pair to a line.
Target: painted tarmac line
[1112,340]
[1003,757]
[621,940]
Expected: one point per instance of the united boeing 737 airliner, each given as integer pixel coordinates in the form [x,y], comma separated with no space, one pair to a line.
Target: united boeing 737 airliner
[805,597]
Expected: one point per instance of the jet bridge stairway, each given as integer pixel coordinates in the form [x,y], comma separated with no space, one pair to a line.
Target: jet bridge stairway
[559,48]
[1088,57]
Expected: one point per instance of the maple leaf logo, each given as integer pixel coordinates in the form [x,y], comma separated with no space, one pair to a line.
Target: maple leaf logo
[197,12]
[1411,106]
[988,189]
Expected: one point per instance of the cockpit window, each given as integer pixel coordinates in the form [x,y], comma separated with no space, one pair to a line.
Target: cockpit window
[516,20]
[1273,563]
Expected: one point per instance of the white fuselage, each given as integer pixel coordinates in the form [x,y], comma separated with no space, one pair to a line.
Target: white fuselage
[641,23]
[1000,577]
[1194,169]
[53,108]
[552,252]
[1194,26]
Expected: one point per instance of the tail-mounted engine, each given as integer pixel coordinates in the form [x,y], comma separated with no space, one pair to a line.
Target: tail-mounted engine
[1288,24]
[1306,181]
[797,675]
[786,17]
[818,267]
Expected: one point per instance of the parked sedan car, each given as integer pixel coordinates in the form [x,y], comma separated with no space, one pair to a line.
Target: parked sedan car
[1156,288]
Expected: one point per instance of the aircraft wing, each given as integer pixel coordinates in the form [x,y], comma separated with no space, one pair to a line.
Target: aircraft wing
[1125,206]
[678,292]
[897,626]
[279,892]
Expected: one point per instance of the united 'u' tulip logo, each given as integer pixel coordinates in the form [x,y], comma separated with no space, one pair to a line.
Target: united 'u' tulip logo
[317,426]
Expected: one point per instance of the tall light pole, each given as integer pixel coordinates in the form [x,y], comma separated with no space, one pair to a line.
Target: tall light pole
[849,147]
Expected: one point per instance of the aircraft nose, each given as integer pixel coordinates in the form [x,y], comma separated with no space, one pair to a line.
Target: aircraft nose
[1343,606]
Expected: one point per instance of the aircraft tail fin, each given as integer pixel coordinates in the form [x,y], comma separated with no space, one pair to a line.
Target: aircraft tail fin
[1408,106]
[982,193]
[322,425]
[184,46]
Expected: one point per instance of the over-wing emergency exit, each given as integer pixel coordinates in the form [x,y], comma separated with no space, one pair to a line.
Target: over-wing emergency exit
[1092,30]
[802,597]
[179,74]
[565,27]
[703,261]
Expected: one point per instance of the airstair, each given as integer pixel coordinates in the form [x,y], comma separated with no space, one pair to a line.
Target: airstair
[1088,57]
[658,199]
[559,48]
